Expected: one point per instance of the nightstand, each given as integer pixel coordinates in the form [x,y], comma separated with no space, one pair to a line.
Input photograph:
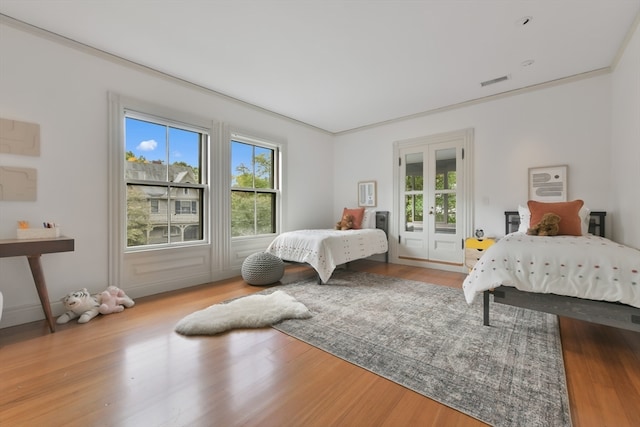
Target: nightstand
[474,248]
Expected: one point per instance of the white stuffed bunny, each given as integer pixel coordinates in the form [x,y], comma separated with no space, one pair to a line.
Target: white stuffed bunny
[79,304]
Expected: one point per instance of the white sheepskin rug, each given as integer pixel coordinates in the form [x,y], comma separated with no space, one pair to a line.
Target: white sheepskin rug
[253,311]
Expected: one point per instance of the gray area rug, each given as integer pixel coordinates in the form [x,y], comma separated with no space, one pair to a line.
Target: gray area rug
[426,338]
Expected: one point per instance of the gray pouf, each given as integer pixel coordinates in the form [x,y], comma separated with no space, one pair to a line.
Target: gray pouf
[262,268]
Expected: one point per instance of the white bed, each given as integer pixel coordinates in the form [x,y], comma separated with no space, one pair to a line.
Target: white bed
[324,250]
[589,267]
[587,277]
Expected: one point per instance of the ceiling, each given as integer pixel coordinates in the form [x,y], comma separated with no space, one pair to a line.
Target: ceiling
[342,65]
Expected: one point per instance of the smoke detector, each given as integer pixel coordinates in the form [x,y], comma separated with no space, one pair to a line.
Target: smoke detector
[525,20]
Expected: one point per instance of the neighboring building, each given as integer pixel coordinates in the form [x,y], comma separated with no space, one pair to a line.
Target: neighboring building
[172,213]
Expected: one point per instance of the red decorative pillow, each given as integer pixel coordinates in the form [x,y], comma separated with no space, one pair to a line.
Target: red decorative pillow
[570,223]
[358,214]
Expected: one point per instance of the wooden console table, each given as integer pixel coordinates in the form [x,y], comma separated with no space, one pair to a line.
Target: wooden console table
[33,249]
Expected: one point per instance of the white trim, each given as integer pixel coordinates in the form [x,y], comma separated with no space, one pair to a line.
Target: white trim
[90,50]
[125,266]
[240,247]
[31,29]
[623,46]
[483,99]
[278,148]
[467,193]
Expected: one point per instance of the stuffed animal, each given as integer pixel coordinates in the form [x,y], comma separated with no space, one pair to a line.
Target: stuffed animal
[114,300]
[346,223]
[79,304]
[548,226]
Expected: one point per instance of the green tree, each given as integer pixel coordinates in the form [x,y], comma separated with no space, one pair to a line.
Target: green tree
[130,157]
[252,212]
[138,217]
[414,203]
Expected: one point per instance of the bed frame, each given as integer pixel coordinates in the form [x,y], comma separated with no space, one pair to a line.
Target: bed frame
[601,312]
[382,223]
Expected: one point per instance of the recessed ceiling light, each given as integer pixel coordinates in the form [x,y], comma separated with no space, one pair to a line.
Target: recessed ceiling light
[527,63]
[524,21]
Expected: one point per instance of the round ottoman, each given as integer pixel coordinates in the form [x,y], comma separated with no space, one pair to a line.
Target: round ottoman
[262,268]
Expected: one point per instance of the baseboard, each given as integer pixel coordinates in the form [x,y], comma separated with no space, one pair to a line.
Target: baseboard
[13,316]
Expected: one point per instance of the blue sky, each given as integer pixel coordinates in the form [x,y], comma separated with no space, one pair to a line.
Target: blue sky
[149,140]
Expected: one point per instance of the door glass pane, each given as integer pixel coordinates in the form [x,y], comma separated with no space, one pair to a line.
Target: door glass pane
[446,169]
[445,191]
[445,213]
[414,180]
[414,212]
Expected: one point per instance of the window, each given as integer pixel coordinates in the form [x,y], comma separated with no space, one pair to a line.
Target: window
[254,187]
[164,168]
[186,207]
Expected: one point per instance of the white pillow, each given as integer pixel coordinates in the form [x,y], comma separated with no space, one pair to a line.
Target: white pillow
[525,218]
[369,219]
[583,213]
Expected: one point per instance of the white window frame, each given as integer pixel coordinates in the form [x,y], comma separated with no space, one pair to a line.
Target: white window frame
[277,179]
[203,185]
[122,269]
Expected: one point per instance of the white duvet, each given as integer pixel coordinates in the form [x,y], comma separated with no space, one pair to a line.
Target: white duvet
[324,250]
[589,267]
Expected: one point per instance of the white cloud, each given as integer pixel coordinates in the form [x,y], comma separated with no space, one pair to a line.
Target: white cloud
[148,145]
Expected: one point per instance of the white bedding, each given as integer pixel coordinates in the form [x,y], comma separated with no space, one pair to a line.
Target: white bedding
[589,267]
[324,250]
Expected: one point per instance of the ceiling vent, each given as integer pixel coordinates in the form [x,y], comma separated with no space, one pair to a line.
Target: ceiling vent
[494,81]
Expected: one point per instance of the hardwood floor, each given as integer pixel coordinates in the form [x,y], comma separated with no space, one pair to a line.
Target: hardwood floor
[131,369]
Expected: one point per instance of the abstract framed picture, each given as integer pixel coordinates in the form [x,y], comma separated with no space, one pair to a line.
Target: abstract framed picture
[367,193]
[548,183]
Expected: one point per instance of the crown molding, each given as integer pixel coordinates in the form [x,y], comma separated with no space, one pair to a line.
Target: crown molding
[90,50]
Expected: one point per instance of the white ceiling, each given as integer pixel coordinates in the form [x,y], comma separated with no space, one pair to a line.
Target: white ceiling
[339,64]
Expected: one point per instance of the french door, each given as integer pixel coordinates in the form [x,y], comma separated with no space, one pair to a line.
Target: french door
[431,199]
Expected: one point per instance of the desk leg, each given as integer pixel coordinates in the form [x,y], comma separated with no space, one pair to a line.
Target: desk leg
[41,286]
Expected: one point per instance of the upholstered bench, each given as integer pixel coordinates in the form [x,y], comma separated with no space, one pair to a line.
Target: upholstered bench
[262,268]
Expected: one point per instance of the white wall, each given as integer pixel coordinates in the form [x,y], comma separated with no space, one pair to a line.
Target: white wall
[65,90]
[565,124]
[625,144]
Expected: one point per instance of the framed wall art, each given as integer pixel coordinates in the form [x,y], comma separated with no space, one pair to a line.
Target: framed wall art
[548,183]
[367,193]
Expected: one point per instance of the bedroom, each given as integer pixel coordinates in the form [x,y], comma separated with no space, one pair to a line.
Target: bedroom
[595,116]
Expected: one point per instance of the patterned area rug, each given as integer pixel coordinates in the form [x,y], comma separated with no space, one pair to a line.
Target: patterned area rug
[426,338]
